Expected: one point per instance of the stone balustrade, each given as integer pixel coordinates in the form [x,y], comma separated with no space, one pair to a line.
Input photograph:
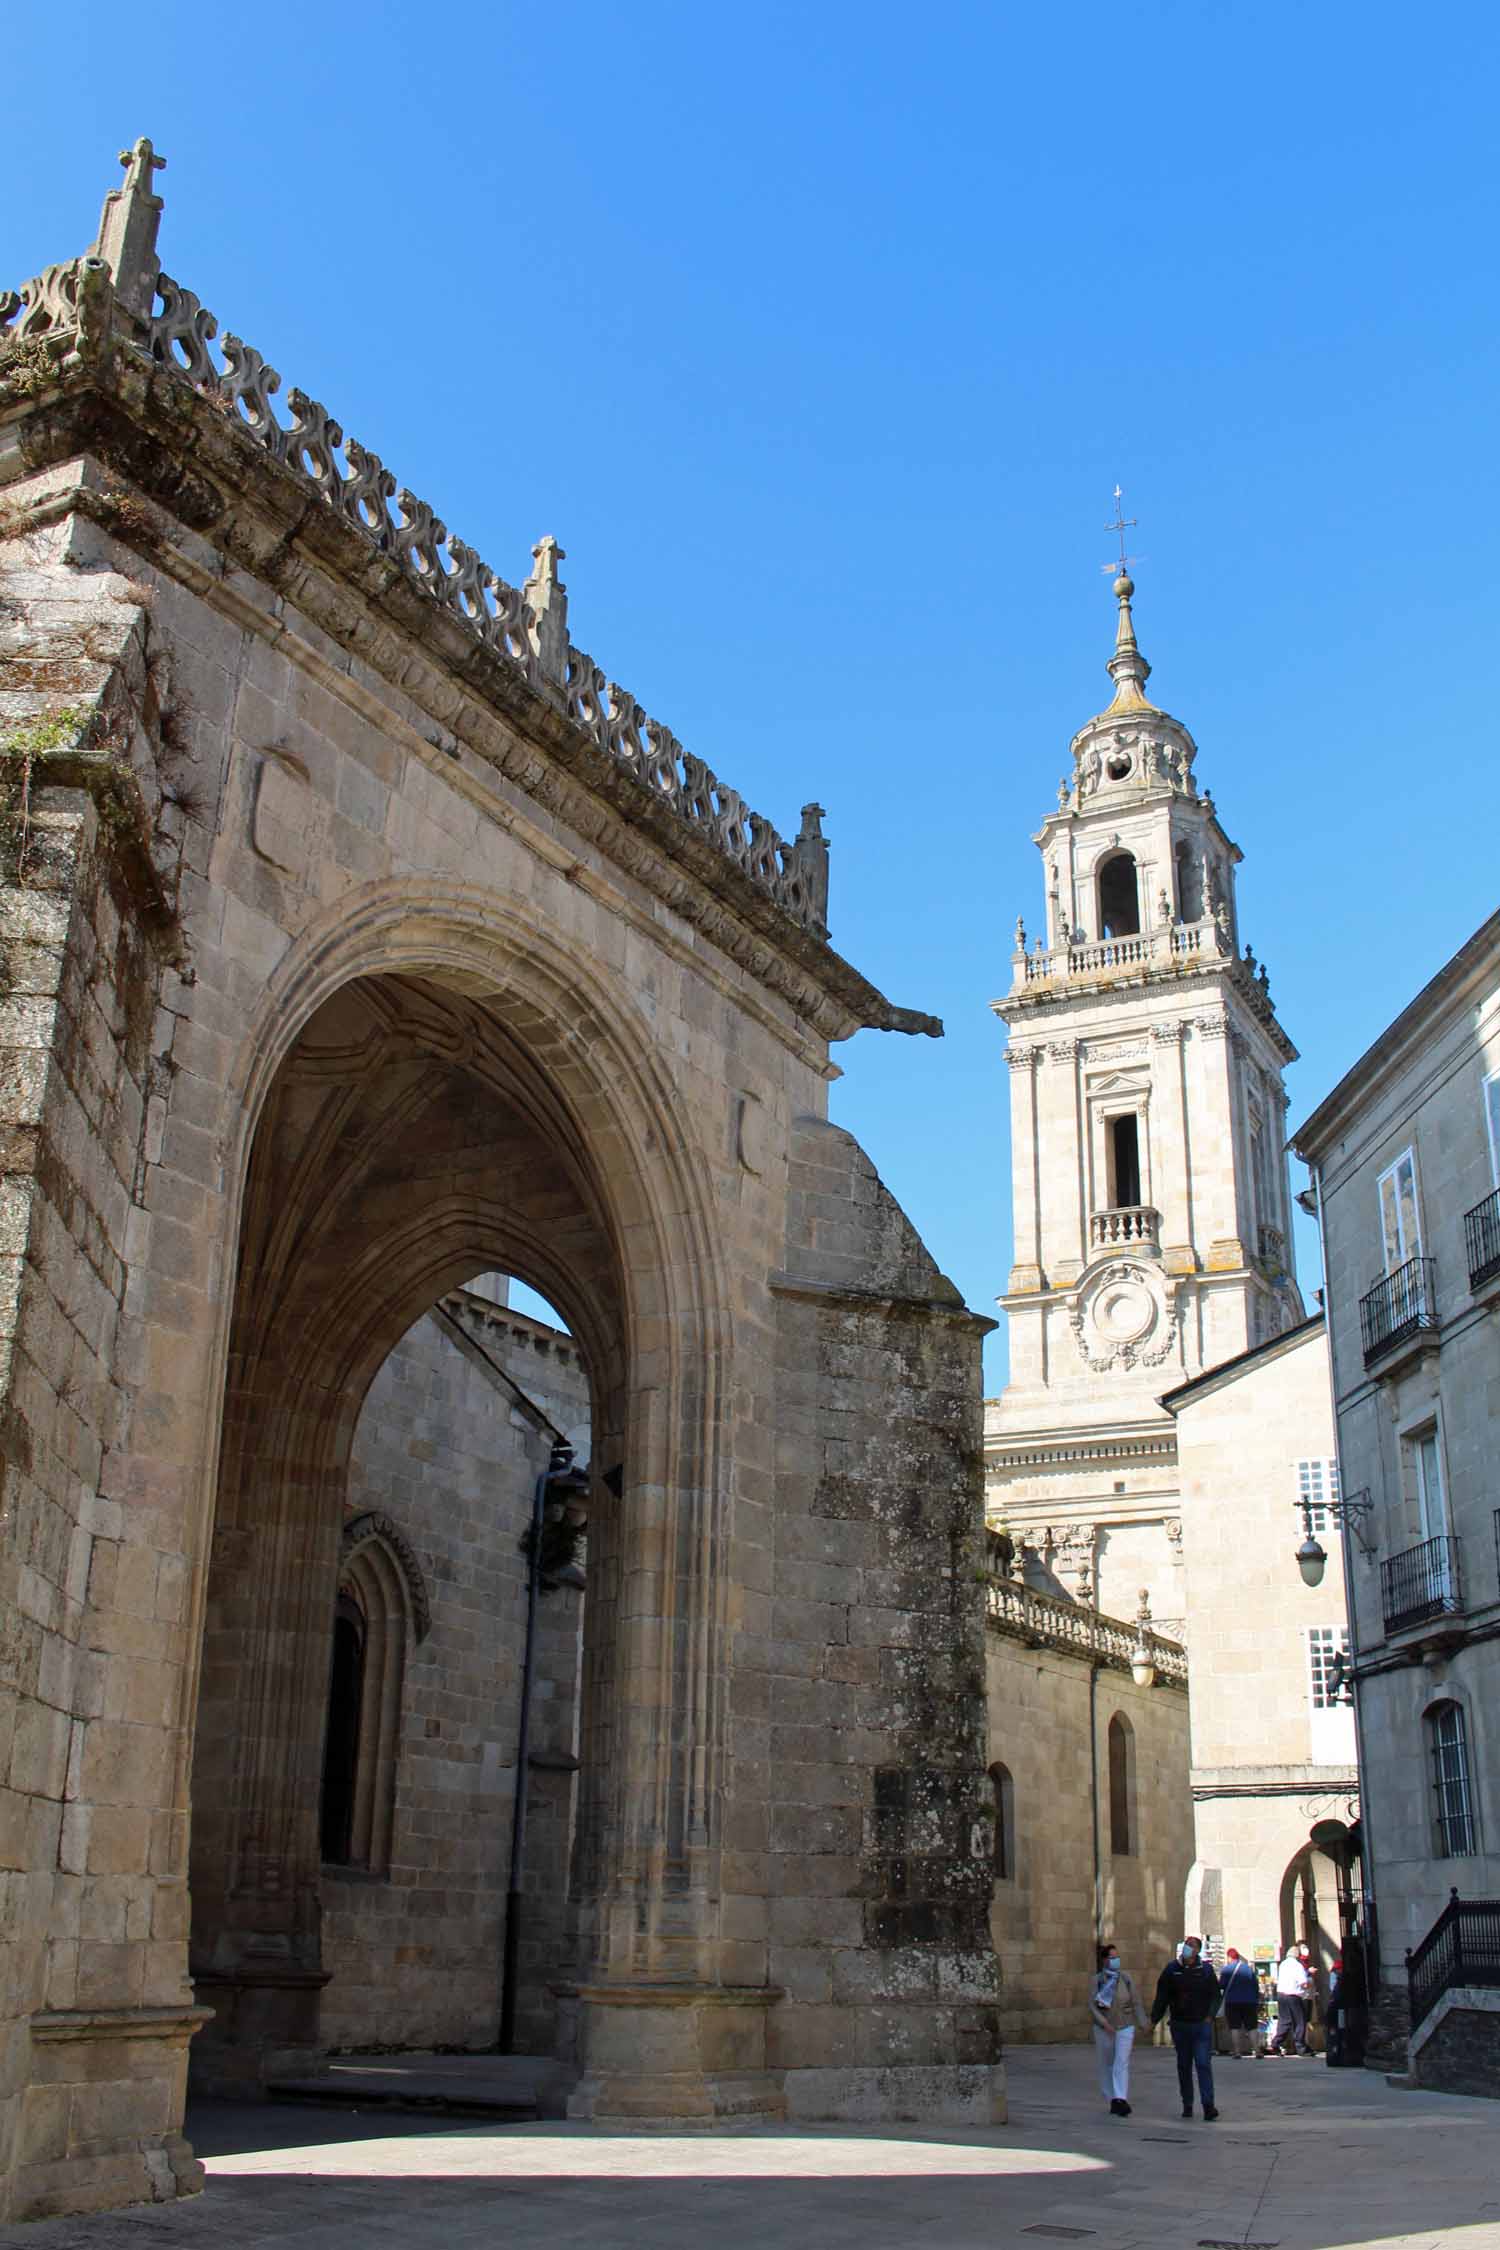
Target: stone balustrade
[1134,1223]
[1045,1621]
[1171,945]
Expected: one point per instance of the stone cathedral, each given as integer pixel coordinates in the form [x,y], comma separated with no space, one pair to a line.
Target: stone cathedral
[1149,1185]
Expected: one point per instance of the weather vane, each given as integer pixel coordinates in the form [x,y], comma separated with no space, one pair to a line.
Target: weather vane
[1120,524]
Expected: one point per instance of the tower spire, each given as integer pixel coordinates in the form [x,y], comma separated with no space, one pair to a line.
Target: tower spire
[1127,667]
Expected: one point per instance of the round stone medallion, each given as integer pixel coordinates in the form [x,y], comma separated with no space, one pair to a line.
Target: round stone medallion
[1124,1311]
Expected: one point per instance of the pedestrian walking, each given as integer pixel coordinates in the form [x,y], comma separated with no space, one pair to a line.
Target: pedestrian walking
[1241,1989]
[1188,1995]
[1117,2014]
[1292,1982]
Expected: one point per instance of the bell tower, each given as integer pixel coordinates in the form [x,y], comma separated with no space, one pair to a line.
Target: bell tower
[1149,1184]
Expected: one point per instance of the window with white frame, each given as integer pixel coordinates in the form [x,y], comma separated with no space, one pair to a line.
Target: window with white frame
[1325,1643]
[1317,1489]
[1453,1801]
[1492,1122]
[1400,1233]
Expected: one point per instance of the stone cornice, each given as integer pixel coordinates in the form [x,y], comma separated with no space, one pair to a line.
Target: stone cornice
[186,466]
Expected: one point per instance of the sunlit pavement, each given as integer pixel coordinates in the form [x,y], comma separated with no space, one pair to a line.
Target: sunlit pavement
[1303,2157]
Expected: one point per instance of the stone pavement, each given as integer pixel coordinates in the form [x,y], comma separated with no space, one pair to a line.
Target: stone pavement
[1304,2158]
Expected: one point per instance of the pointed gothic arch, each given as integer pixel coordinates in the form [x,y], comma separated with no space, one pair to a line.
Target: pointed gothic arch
[494,1105]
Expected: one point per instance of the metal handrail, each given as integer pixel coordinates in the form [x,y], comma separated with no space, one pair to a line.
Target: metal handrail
[1462,1947]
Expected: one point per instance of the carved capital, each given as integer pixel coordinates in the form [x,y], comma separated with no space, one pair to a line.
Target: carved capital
[1022,1058]
[1211,1027]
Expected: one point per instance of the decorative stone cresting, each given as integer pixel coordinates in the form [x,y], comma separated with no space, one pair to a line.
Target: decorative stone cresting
[527,625]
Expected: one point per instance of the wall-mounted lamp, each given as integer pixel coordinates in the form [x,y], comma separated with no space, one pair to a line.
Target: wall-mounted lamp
[1142,1661]
[1355,1510]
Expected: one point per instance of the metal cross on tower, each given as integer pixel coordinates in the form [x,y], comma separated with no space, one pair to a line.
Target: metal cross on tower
[1121,524]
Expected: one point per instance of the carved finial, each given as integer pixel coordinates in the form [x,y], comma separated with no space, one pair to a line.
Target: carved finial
[546,597]
[1143,1612]
[127,230]
[1020,935]
[1127,667]
[812,824]
[1064,792]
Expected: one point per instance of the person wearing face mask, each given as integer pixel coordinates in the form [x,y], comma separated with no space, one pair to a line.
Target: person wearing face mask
[1188,1994]
[1116,2013]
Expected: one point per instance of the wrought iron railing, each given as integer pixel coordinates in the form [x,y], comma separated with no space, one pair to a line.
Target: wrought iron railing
[1421,1582]
[1482,1240]
[1134,1223]
[1399,1306]
[1044,1621]
[1462,1947]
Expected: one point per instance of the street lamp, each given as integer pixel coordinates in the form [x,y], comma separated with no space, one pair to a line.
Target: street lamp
[1142,1661]
[1355,1511]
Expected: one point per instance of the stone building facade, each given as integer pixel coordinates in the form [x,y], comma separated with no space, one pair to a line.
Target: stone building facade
[1150,1193]
[454,1431]
[1405,1156]
[361,936]
[1274,1772]
[1094,1818]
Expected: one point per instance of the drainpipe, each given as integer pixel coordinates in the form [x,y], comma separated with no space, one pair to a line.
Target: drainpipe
[557,1466]
[1351,1607]
[1094,1802]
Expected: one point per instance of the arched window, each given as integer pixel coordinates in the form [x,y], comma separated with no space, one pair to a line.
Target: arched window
[380,1600]
[1003,1809]
[1121,1786]
[1119,897]
[346,1687]
[1453,1799]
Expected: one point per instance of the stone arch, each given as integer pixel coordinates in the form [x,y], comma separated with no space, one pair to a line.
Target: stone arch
[502,1013]
[1118,895]
[377,1573]
[373,1526]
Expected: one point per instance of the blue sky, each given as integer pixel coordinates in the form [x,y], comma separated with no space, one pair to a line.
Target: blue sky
[819,336]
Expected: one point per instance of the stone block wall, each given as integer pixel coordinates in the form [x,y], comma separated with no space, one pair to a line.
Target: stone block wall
[1457,2051]
[1043,1916]
[859,1670]
[413,1949]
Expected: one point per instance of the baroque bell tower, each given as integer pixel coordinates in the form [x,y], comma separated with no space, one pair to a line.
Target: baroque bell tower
[1149,1186]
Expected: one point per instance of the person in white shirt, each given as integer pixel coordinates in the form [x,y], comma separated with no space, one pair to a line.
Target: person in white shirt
[1292,1985]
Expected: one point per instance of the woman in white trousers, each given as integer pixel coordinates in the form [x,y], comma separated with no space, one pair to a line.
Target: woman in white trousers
[1116,2013]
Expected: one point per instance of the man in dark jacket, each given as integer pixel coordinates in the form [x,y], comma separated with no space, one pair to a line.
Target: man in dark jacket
[1188,1995]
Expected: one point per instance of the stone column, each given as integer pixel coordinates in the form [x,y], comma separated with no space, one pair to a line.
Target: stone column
[1026,1187]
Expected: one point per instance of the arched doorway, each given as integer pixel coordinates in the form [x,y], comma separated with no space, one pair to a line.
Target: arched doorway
[418,1131]
[1321,1902]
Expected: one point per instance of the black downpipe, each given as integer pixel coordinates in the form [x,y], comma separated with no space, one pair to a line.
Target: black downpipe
[561,1455]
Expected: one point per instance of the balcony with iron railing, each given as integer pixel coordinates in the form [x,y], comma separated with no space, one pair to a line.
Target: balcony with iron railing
[1126,1225]
[1401,1307]
[1482,1240]
[1421,1583]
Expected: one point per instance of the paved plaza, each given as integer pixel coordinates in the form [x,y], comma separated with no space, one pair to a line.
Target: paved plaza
[1303,2158]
